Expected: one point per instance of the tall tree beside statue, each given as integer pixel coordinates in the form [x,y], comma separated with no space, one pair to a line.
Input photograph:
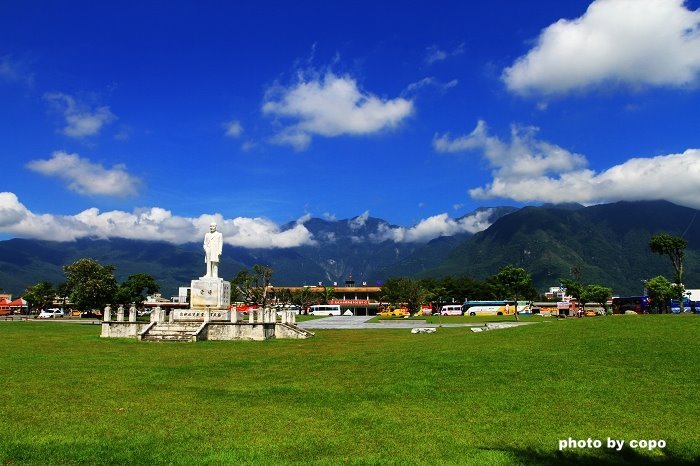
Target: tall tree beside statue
[251,286]
[673,247]
[91,285]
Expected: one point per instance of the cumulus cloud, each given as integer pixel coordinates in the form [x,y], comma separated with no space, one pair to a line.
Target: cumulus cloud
[636,42]
[669,177]
[331,106]
[86,177]
[526,169]
[433,227]
[147,224]
[233,128]
[81,119]
[523,156]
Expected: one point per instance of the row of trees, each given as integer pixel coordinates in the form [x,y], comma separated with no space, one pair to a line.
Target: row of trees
[91,285]
[509,283]
[250,286]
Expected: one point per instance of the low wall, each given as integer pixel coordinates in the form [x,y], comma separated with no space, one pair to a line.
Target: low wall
[214,330]
[237,331]
[114,329]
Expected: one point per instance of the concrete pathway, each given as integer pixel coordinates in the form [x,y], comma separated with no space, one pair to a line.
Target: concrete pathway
[361,322]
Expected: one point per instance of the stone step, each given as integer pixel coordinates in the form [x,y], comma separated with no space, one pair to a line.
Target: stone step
[167,338]
[162,330]
[166,331]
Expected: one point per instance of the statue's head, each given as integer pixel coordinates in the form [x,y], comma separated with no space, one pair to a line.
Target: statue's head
[212,227]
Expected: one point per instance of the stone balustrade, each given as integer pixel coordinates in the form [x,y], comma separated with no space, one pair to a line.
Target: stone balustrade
[159,315]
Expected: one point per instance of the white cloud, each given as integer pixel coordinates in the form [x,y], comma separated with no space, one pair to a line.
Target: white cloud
[147,224]
[233,128]
[429,82]
[359,221]
[86,177]
[331,106]
[529,170]
[673,177]
[523,156]
[434,54]
[433,227]
[81,120]
[635,42]
[248,146]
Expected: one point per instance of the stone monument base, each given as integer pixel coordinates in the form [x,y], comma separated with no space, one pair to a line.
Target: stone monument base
[199,315]
[210,292]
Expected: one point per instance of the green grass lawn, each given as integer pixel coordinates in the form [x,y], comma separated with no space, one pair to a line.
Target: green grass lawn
[358,396]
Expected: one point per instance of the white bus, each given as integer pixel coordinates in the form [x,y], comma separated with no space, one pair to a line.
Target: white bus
[325,310]
[490,308]
[451,310]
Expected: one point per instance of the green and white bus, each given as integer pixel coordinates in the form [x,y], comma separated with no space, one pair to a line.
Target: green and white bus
[489,308]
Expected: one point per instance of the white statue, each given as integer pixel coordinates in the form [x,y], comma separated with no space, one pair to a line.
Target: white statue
[213,243]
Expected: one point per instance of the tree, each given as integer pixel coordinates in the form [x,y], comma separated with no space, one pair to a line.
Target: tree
[40,295]
[407,291]
[91,285]
[252,285]
[135,288]
[597,294]
[303,297]
[574,289]
[660,292]
[513,283]
[283,296]
[327,294]
[674,248]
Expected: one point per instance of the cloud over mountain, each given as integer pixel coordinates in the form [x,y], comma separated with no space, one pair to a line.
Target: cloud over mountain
[527,169]
[152,223]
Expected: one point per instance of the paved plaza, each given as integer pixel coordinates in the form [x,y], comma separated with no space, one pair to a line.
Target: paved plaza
[361,322]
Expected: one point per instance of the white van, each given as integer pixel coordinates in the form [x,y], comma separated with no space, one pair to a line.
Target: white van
[451,310]
[324,310]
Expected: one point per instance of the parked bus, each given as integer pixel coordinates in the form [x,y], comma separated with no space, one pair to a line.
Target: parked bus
[492,308]
[638,304]
[325,310]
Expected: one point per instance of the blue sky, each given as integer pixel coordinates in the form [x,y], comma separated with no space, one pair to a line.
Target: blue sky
[152,119]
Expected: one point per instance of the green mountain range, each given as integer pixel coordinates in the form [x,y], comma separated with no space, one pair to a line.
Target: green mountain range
[608,244]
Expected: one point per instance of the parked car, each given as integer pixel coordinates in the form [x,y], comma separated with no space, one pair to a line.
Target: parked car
[51,314]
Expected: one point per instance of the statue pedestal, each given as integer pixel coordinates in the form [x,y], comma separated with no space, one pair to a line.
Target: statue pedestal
[209,294]
[212,292]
